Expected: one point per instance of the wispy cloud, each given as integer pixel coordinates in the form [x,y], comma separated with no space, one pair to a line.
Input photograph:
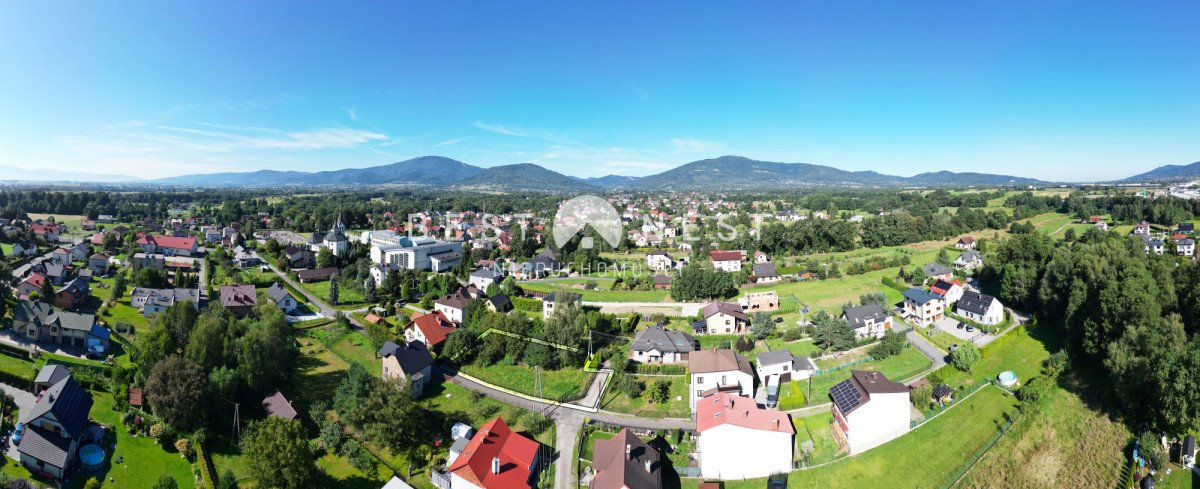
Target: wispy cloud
[451,142]
[689,145]
[520,132]
[351,112]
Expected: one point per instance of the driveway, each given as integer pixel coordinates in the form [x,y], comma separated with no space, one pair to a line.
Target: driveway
[950,326]
[926,348]
[24,400]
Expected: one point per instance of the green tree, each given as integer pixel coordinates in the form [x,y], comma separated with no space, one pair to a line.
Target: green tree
[177,392]
[378,334]
[325,258]
[461,346]
[267,354]
[659,392]
[762,325]
[277,453]
[47,295]
[831,333]
[890,345]
[965,356]
[921,396]
[333,292]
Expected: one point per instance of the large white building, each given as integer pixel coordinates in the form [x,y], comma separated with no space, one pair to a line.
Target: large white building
[981,308]
[869,410]
[715,371]
[416,253]
[739,440]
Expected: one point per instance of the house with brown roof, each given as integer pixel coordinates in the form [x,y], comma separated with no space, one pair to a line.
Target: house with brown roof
[739,440]
[454,305]
[316,274]
[278,406]
[723,318]
[625,462]
[495,458]
[239,299]
[714,371]
[430,329]
[869,410]
[726,261]
[965,243]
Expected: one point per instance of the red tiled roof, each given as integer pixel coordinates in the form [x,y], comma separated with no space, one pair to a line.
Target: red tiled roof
[35,280]
[496,440]
[178,243]
[966,240]
[435,326]
[724,408]
[238,295]
[725,255]
[135,396]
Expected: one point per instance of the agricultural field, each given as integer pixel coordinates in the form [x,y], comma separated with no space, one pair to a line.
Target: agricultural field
[926,457]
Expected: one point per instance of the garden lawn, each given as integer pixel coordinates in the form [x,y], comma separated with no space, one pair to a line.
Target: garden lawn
[348,298]
[941,339]
[653,295]
[925,457]
[121,312]
[455,403]
[803,348]
[816,428]
[1017,351]
[675,407]
[142,459]
[898,368]
[356,348]
[565,384]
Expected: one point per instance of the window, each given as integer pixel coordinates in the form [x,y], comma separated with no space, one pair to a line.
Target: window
[723,382]
[699,380]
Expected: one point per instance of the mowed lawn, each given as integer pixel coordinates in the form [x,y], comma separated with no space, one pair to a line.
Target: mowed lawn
[348,298]
[565,384]
[1017,351]
[675,407]
[653,295]
[1064,443]
[142,459]
[925,457]
[898,368]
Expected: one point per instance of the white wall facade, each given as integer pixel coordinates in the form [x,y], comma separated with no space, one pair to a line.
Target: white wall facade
[881,419]
[730,452]
[709,380]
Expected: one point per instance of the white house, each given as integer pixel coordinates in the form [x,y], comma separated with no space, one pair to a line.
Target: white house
[868,320]
[282,298]
[777,367]
[981,308]
[969,260]
[950,291]
[726,261]
[722,318]
[716,371]
[739,440]
[496,457]
[659,260]
[1154,245]
[922,306]
[869,410]
[453,305]
[965,243]
[551,301]
[1185,247]
[1142,229]
[484,277]
[658,345]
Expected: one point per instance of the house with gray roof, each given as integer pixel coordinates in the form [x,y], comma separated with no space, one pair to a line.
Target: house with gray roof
[868,320]
[153,301]
[968,260]
[658,345]
[39,321]
[485,277]
[55,427]
[282,298]
[937,271]
[765,273]
[411,361]
[923,307]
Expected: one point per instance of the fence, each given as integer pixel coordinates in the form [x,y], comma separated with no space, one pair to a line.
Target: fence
[530,338]
[844,366]
[966,467]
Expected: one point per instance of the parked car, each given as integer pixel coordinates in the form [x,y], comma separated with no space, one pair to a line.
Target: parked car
[961,324]
[970,328]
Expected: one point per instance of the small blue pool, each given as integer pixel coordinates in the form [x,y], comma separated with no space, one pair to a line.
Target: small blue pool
[1008,378]
[91,456]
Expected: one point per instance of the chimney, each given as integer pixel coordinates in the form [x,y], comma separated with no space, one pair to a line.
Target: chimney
[647,466]
[629,451]
[495,465]
[775,424]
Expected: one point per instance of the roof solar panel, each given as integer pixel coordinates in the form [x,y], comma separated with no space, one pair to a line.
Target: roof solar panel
[845,396]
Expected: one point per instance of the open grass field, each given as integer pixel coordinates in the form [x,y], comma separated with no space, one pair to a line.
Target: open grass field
[803,348]
[925,457]
[675,407]
[348,298]
[356,348]
[908,363]
[601,294]
[1064,443]
[454,403]
[1018,351]
[566,384]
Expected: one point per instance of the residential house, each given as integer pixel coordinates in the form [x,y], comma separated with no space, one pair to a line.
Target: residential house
[726,261]
[626,462]
[151,260]
[555,299]
[969,260]
[484,277]
[282,298]
[79,251]
[495,458]
[33,283]
[1101,225]
[430,328]
[661,281]
[723,318]
[1142,229]
[299,257]
[411,362]
[278,406]
[39,321]
[50,231]
[869,410]
[965,243]
[1185,247]
[153,301]
[24,248]
[868,320]
[1185,228]
[981,308]
[453,305]
[104,219]
[316,274]
[498,303]
[761,257]
[950,291]
[168,245]
[658,345]
[766,300]
[922,306]
[54,272]
[659,260]
[55,427]
[714,371]
[783,365]
[764,273]
[73,295]
[98,264]
[739,440]
[937,271]
[239,299]
[1154,245]
[61,256]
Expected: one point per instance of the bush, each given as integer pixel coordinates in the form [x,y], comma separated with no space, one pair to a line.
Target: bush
[891,345]
[184,446]
[921,396]
[965,356]
[793,334]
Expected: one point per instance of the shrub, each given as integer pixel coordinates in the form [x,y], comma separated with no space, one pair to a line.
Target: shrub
[660,391]
[184,446]
[965,356]
[921,396]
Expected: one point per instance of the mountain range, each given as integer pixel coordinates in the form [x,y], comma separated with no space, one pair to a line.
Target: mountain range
[725,173]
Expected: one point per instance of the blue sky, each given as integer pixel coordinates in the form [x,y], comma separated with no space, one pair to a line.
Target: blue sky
[1056,90]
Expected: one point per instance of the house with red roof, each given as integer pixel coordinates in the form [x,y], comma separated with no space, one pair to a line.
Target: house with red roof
[726,261]
[33,283]
[168,245]
[495,458]
[239,299]
[950,291]
[431,329]
[739,440]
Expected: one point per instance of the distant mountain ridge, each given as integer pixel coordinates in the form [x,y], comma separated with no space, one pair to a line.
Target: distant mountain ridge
[1167,173]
